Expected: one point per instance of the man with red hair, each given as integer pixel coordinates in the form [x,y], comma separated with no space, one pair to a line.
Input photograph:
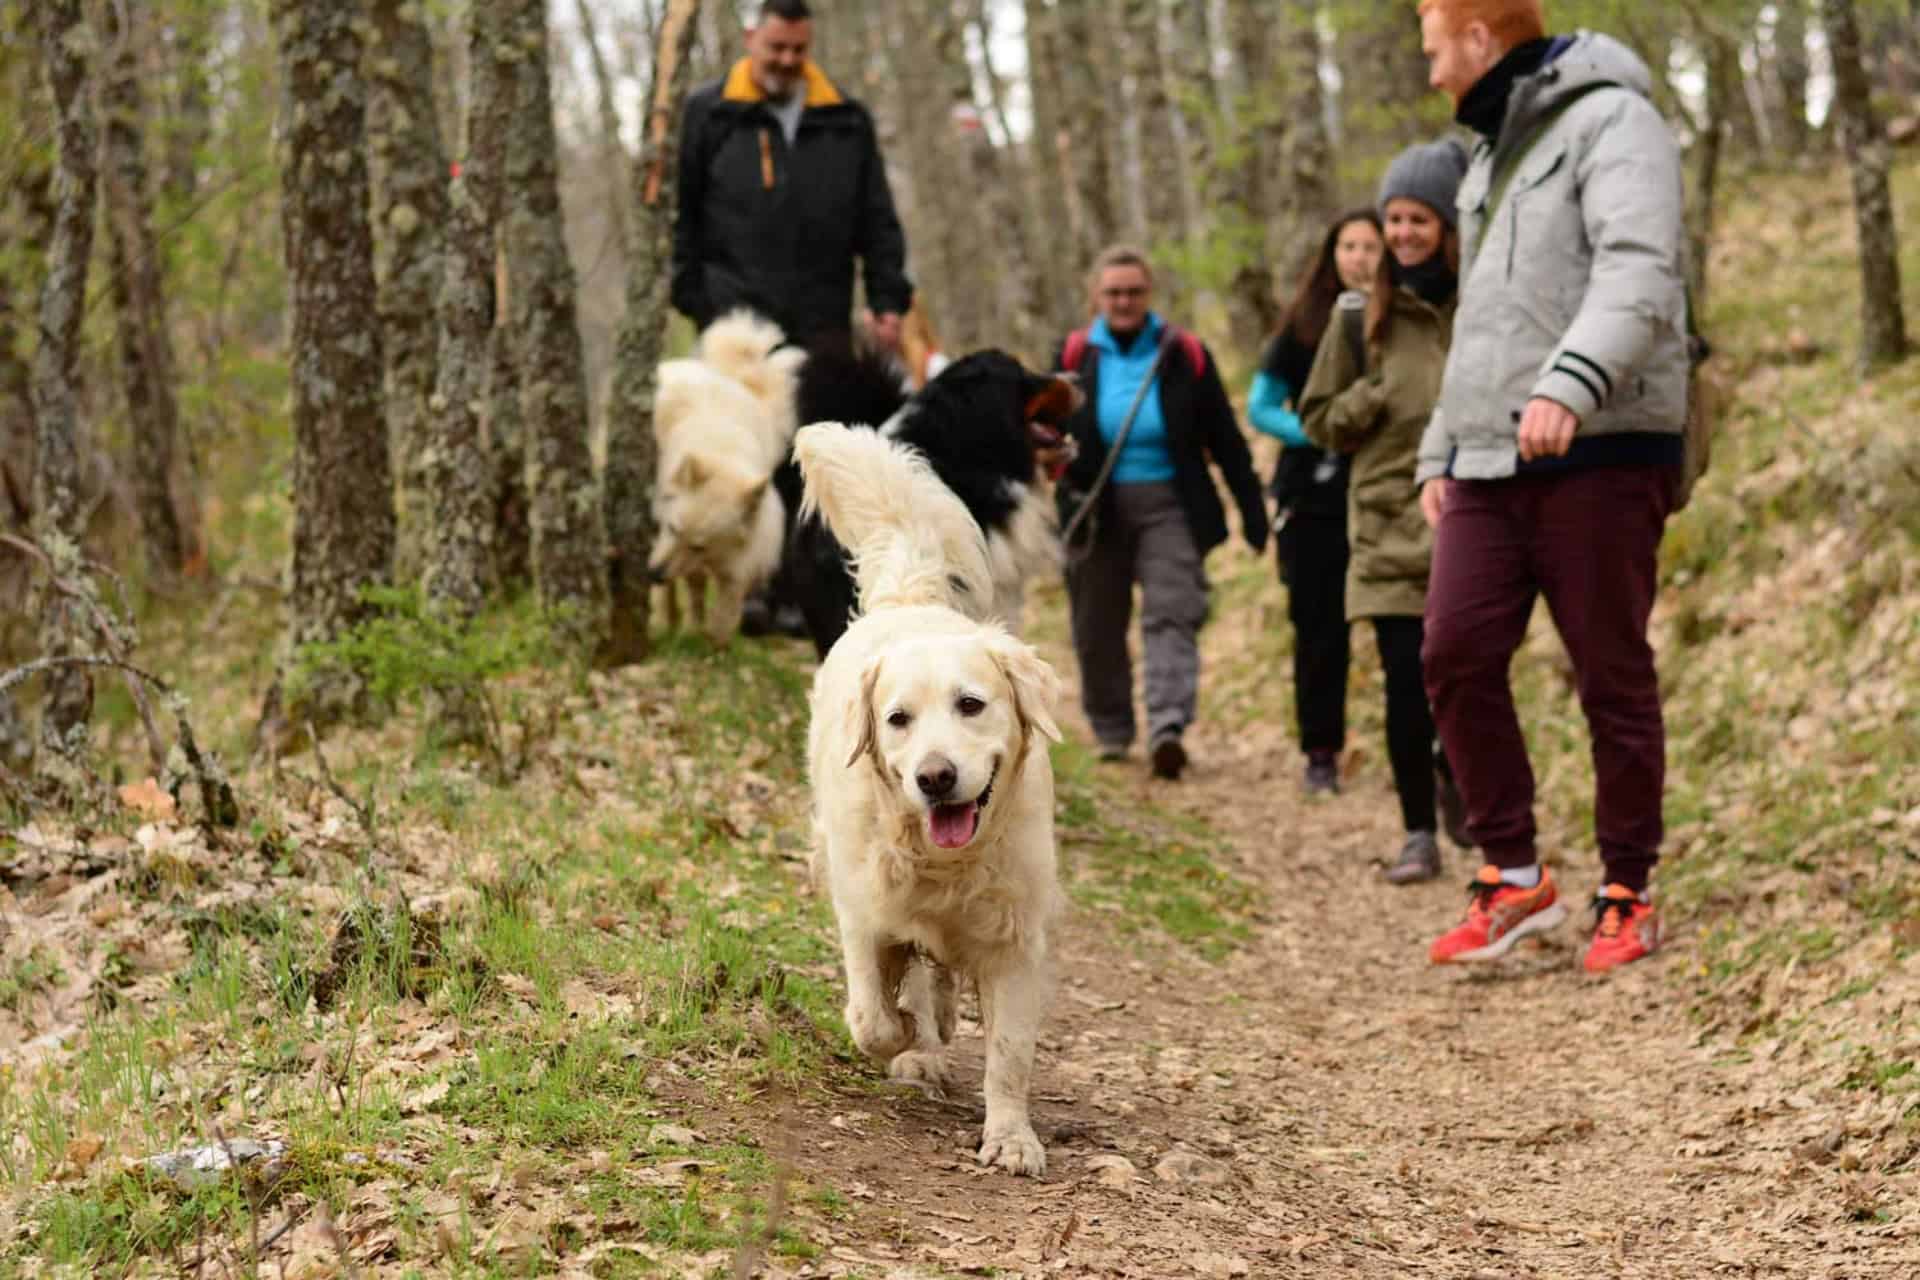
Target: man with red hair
[1551,462]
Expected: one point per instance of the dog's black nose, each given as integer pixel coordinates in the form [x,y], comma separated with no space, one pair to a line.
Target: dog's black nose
[936,778]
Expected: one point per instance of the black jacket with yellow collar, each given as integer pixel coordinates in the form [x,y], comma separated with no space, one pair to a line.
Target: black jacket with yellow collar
[777,228]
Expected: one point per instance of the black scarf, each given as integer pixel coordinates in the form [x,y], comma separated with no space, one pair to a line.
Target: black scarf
[1484,108]
[1432,281]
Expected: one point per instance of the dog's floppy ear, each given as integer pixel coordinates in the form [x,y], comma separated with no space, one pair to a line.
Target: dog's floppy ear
[862,723]
[1053,400]
[1035,686]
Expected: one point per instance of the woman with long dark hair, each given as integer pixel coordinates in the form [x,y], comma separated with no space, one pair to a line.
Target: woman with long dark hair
[1371,401]
[1310,493]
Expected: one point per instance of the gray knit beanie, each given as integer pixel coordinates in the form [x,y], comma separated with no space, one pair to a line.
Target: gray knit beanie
[1429,172]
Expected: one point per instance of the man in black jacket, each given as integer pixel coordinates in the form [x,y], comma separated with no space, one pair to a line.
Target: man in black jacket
[781,188]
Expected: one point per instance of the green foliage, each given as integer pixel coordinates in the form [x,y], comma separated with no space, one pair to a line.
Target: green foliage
[410,651]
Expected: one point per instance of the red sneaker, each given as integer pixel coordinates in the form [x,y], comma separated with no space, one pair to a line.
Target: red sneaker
[1498,915]
[1625,928]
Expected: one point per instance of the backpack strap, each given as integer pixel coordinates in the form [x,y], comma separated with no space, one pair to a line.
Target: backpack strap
[1074,351]
[1497,189]
[1196,351]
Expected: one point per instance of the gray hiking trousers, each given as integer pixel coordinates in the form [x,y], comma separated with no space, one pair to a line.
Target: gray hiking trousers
[1144,538]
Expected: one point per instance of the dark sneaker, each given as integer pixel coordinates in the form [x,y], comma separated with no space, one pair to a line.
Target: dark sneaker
[1452,805]
[1323,773]
[1419,859]
[1169,756]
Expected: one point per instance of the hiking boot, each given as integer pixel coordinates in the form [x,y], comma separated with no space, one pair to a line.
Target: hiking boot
[1498,915]
[1452,805]
[1625,928]
[1323,773]
[1169,756]
[1419,859]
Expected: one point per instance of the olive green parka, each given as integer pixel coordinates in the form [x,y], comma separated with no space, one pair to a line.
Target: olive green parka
[1378,419]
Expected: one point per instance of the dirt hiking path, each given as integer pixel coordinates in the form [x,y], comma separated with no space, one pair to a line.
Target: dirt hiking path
[1324,1103]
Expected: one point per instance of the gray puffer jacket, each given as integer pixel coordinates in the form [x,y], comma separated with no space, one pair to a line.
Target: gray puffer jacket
[1574,291]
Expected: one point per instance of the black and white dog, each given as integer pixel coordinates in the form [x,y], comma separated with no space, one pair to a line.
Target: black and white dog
[985,424]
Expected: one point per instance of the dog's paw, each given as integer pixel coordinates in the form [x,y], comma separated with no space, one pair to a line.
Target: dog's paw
[1014,1149]
[925,1071]
[879,1034]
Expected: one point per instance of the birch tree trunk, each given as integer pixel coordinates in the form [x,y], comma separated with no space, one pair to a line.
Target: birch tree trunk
[452,457]
[569,539]
[68,702]
[145,346]
[409,177]
[342,492]
[631,454]
[1883,326]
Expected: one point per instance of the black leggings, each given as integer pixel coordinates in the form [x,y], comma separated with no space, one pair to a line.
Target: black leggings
[1312,553]
[1410,746]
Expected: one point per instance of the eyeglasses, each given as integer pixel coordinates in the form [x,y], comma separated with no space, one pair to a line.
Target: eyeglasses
[1130,291]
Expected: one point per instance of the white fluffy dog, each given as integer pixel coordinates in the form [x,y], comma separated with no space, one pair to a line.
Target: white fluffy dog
[723,420]
[932,790]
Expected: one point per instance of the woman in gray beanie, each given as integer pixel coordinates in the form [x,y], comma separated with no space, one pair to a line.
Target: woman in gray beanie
[1371,400]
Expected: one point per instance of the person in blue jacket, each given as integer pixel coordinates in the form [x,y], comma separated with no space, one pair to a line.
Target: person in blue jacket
[1310,494]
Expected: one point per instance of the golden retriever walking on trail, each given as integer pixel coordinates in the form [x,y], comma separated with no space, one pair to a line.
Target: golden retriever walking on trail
[932,789]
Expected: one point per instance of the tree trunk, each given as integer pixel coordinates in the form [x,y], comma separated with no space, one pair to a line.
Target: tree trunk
[631,455]
[145,345]
[506,442]
[342,492]
[410,218]
[454,463]
[68,704]
[190,122]
[613,154]
[1722,57]
[1052,160]
[569,540]
[1791,74]
[1883,326]
[1089,116]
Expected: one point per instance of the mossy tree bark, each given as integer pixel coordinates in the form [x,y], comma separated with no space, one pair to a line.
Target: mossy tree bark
[631,456]
[568,532]
[68,702]
[140,311]
[1883,324]
[410,217]
[453,457]
[342,492]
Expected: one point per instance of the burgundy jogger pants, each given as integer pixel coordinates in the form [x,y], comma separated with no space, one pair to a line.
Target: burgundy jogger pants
[1587,539]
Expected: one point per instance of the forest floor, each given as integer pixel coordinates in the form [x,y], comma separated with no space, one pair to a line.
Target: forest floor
[572,1007]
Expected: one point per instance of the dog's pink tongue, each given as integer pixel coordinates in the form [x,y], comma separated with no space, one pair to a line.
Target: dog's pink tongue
[952,825]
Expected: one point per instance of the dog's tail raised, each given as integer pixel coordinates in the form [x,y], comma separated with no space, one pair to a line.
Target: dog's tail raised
[748,349]
[911,539]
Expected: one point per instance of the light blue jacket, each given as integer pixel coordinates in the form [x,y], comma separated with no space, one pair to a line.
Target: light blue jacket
[1144,459]
[1268,411]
